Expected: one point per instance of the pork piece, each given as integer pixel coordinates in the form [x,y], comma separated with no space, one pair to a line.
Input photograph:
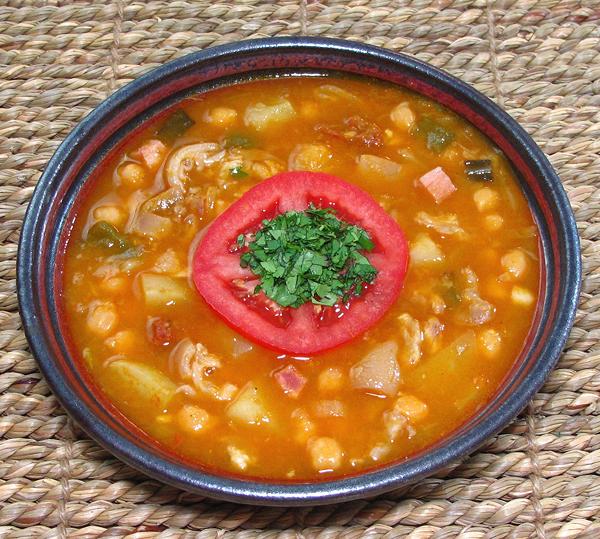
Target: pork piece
[194,364]
[290,380]
[191,157]
[473,310]
[355,129]
[152,152]
[438,184]
[445,224]
[410,330]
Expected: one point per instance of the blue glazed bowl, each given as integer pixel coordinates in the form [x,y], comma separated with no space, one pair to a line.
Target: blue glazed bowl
[49,216]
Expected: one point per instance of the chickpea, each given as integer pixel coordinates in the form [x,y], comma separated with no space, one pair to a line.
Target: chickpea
[331,379]
[493,222]
[122,342]
[309,157]
[194,419]
[522,296]
[114,285]
[304,427]
[132,175]
[490,342]
[221,116]
[496,289]
[309,110]
[111,214]
[514,263]
[102,317]
[411,407]
[486,199]
[325,453]
[402,116]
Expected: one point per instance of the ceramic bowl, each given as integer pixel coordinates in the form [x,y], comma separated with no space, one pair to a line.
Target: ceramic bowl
[50,213]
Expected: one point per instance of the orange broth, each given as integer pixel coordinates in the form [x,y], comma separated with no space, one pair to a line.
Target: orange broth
[331,428]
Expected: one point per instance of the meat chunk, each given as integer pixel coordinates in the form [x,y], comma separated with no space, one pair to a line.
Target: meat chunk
[160,331]
[355,129]
[290,380]
[438,184]
[445,224]
[473,310]
[410,330]
[152,153]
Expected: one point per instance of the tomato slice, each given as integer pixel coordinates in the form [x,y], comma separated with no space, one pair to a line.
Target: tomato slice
[309,329]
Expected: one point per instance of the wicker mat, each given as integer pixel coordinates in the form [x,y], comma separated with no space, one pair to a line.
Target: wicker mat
[540,59]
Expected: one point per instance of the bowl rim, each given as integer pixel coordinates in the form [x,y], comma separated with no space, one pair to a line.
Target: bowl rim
[368,483]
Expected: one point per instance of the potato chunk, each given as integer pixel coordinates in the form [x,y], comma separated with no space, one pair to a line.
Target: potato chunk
[423,250]
[160,290]
[378,167]
[148,385]
[378,371]
[261,116]
[325,454]
[249,407]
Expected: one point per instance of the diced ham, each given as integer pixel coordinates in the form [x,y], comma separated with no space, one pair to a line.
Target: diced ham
[438,183]
[290,380]
[152,153]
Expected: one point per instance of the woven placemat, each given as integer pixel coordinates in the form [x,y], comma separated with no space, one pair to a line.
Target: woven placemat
[540,59]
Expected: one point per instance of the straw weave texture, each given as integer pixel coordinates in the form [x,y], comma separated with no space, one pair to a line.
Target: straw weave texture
[540,59]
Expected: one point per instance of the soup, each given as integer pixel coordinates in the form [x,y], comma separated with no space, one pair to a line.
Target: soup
[300,279]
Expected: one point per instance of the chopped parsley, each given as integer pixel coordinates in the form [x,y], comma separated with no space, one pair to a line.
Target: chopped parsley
[309,256]
[238,173]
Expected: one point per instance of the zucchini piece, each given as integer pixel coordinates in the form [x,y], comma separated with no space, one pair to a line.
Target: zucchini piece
[162,290]
[174,126]
[139,382]
[105,235]
[479,170]
[436,135]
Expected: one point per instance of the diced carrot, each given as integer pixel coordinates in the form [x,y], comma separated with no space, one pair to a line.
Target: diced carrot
[152,153]
[290,380]
[438,183]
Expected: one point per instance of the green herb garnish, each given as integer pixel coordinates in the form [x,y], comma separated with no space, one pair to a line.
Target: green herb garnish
[436,135]
[238,173]
[309,256]
[103,234]
[174,126]
[237,140]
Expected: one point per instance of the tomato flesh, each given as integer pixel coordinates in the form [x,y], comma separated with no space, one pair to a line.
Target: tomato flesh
[308,329]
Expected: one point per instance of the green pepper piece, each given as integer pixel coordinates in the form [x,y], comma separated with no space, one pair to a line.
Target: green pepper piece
[174,126]
[238,173]
[103,234]
[437,136]
[236,140]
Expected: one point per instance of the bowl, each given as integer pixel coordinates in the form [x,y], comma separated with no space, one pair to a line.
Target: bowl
[47,224]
